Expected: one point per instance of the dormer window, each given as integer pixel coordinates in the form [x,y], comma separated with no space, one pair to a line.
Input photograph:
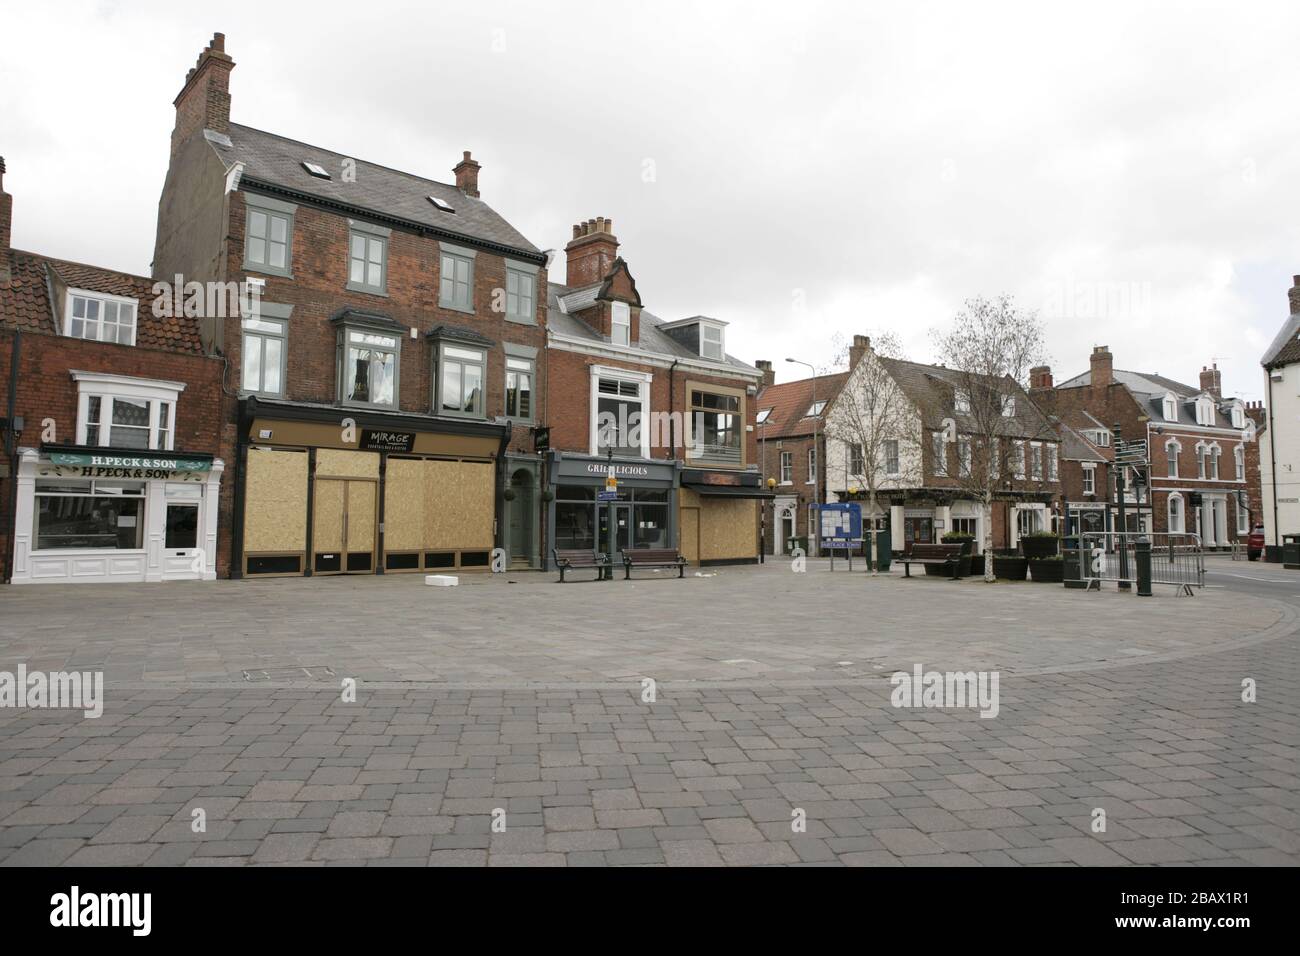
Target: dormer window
[620,323]
[1238,417]
[1204,411]
[961,402]
[99,317]
[1171,408]
[1008,406]
[711,342]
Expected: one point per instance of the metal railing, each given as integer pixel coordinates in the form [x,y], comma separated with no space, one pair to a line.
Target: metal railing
[1176,559]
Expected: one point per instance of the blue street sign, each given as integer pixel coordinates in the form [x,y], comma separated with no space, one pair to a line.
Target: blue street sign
[607,496]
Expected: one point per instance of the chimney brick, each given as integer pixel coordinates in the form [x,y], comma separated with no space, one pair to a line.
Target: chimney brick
[860,347]
[590,252]
[769,374]
[6,227]
[1040,376]
[1102,367]
[1211,381]
[1293,295]
[467,175]
[204,100]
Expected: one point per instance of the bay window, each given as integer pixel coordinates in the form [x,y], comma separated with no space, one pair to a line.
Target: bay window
[716,426]
[369,367]
[118,411]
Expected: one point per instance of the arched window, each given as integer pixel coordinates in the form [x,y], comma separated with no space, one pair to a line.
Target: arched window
[1201,456]
[1172,448]
[1175,513]
[1239,453]
[1171,407]
[1214,461]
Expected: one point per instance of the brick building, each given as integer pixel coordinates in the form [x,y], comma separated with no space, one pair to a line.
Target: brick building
[1279,450]
[1196,479]
[1086,495]
[383,366]
[791,426]
[662,403]
[111,469]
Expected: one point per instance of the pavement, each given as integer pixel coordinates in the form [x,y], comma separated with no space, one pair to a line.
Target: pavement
[508,722]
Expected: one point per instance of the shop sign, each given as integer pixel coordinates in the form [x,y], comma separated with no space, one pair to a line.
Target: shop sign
[377,440]
[626,471]
[127,466]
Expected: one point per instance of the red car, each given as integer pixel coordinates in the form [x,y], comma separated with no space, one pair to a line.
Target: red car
[1255,543]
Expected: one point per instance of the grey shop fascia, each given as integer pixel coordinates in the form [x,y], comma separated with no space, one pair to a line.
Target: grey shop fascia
[644,515]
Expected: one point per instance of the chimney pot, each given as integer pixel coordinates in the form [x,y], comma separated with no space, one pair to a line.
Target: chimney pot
[1293,295]
[466,172]
[1102,366]
[219,42]
[591,252]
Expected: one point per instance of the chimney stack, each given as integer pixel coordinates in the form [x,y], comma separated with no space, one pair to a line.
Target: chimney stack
[860,347]
[204,100]
[769,376]
[1293,295]
[467,175]
[1102,367]
[1211,381]
[591,252]
[1040,376]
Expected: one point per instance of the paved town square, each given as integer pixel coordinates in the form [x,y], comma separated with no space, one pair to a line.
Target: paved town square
[508,721]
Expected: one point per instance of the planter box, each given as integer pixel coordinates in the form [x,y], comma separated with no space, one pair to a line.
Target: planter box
[977,565]
[1010,568]
[1034,547]
[1047,570]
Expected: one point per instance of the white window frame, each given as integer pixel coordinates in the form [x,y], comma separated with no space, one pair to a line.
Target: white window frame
[812,466]
[964,457]
[1202,460]
[1170,407]
[705,342]
[162,435]
[885,448]
[939,454]
[1036,460]
[1204,411]
[102,298]
[643,379]
[620,324]
[762,416]
[787,467]
[1181,528]
[1238,416]
[1239,454]
[961,401]
[1053,463]
[1173,448]
[1089,479]
[1008,406]
[857,458]
[462,362]
[1018,464]
[1215,452]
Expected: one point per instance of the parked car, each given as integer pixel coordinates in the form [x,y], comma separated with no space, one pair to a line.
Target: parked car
[1255,543]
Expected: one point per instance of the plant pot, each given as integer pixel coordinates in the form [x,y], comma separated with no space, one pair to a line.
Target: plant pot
[1034,546]
[1010,568]
[1047,571]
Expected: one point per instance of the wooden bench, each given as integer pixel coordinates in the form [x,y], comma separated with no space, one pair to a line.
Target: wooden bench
[581,559]
[652,558]
[944,554]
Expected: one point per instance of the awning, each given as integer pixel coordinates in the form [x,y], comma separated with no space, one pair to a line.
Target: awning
[727,491]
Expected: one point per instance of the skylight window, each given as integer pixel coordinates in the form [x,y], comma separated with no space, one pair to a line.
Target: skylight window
[815,409]
[763,415]
[441,204]
[316,169]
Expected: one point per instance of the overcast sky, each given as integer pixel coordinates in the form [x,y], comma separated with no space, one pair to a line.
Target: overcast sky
[1129,170]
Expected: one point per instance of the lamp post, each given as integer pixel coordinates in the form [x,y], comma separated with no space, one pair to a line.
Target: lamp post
[817,456]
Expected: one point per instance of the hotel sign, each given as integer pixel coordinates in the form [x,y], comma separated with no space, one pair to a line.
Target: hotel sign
[127,466]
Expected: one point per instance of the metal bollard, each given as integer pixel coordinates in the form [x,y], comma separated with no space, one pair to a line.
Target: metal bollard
[1142,558]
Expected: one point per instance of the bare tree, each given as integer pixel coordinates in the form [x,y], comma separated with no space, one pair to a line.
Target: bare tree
[989,349]
[874,418]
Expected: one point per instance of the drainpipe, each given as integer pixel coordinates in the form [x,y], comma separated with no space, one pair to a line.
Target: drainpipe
[1272,456]
[11,454]
[672,407]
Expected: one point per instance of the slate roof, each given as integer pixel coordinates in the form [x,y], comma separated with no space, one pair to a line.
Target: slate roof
[931,389]
[277,160]
[26,304]
[1149,390]
[652,341]
[790,402]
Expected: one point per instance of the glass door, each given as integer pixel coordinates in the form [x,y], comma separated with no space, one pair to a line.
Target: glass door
[615,528]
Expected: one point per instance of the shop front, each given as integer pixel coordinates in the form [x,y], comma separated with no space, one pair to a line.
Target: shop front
[324,490]
[642,515]
[102,515]
[719,516]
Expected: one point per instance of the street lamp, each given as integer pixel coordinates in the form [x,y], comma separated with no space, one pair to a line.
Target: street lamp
[817,453]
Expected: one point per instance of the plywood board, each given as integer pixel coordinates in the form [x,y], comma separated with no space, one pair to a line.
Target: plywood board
[327,516]
[728,529]
[361,516]
[275,505]
[689,524]
[347,464]
[404,505]
[459,505]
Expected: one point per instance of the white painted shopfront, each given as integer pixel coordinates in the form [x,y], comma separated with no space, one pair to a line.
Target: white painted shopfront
[100,515]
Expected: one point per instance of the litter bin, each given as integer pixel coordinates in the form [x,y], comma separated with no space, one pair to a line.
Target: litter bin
[1073,570]
[1291,551]
[882,550]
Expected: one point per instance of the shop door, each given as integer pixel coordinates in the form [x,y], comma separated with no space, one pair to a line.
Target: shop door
[917,531]
[181,541]
[521,520]
[343,526]
[616,528]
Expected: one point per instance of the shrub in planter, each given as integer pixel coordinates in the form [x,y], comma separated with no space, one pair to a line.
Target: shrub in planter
[1047,570]
[1010,567]
[1040,544]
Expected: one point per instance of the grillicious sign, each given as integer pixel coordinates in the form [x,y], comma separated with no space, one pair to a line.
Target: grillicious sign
[94,465]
